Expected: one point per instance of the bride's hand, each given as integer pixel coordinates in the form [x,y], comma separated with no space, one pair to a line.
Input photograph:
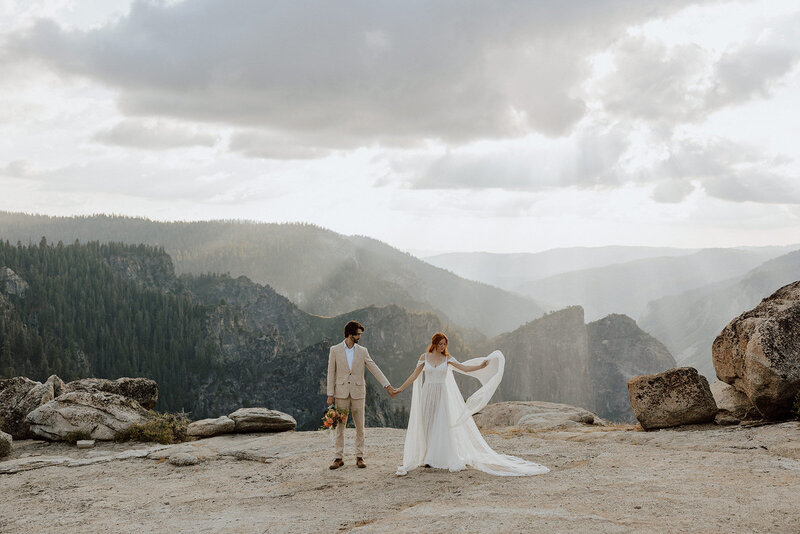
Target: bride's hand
[484,363]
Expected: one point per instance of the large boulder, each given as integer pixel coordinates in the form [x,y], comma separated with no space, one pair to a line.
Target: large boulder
[676,397]
[5,444]
[88,414]
[732,402]
[19,396]
[262,420]
[205,428]
[758,353]
[533,415]
[142,390]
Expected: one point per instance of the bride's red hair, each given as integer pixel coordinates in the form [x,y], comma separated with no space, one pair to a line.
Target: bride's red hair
[437,337]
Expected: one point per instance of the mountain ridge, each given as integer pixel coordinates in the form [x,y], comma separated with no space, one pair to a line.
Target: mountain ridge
[687,323]
[323,272]
[628,287]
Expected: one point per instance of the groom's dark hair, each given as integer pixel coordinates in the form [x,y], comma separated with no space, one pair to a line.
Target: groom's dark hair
[352,328]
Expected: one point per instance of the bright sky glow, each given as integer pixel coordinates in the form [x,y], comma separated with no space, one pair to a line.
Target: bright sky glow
[423,124]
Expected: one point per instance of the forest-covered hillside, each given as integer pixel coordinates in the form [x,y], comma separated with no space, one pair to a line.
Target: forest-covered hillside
[322,272]
[215,343]
[78,317]
[112,310]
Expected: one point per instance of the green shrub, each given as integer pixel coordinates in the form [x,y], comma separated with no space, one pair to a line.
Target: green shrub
[161,428]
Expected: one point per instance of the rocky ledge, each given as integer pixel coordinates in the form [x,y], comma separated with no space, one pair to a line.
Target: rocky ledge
[603,478]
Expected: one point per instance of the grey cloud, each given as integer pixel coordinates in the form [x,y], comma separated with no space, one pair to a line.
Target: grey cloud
[132,177]
[591,162]
[478,172]
[689,159]
[755,186]
[252,148]
[708,159]
[654,82]
[153,135]
[684,84]
[749,72]
[727,170]
[364,72]
[257,144]
[672,191]
[17,169]
[595,161]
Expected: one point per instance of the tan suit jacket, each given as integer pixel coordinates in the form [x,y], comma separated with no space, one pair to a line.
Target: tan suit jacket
[344,382]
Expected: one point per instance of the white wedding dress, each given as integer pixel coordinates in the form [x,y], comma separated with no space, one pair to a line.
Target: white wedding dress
[441,432]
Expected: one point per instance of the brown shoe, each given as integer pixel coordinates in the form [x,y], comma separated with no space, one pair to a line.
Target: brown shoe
[337,463]
[360,462]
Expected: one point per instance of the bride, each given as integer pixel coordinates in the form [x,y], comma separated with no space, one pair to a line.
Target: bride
[441,432]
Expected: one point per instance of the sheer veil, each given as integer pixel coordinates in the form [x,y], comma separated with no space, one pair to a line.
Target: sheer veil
[470,446]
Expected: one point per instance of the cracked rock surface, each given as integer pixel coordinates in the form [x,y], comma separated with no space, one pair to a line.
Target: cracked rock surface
[603,479]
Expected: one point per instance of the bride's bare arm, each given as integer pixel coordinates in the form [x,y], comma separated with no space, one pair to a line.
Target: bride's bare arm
[413,376]
[467,368]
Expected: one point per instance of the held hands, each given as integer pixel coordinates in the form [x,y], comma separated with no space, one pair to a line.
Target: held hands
[483,364]
[392,391]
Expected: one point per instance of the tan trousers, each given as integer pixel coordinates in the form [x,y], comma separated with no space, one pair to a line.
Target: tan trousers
[356,407]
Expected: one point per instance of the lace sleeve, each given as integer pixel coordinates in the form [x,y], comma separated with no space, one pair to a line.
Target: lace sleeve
[421,360]
[452,359]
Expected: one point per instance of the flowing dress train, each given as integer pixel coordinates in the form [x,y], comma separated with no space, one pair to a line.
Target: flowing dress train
[441,432]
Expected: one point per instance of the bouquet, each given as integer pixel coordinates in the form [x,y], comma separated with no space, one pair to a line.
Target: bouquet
[332,418]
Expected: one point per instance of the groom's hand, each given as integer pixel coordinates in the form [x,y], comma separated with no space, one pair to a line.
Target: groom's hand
[329,402]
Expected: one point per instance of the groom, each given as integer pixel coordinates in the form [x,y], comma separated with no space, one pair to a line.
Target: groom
[346,384]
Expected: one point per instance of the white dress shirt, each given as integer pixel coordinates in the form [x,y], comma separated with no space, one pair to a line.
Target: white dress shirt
[350,352]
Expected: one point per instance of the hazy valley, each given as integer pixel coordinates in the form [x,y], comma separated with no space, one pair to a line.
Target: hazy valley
[254,344]
[682,297]
[322,272]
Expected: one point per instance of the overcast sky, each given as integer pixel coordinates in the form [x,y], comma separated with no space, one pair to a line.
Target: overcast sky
[502,126]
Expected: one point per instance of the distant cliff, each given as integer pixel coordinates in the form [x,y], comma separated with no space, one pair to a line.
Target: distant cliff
[546,359]
[559,358]
[619,351]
